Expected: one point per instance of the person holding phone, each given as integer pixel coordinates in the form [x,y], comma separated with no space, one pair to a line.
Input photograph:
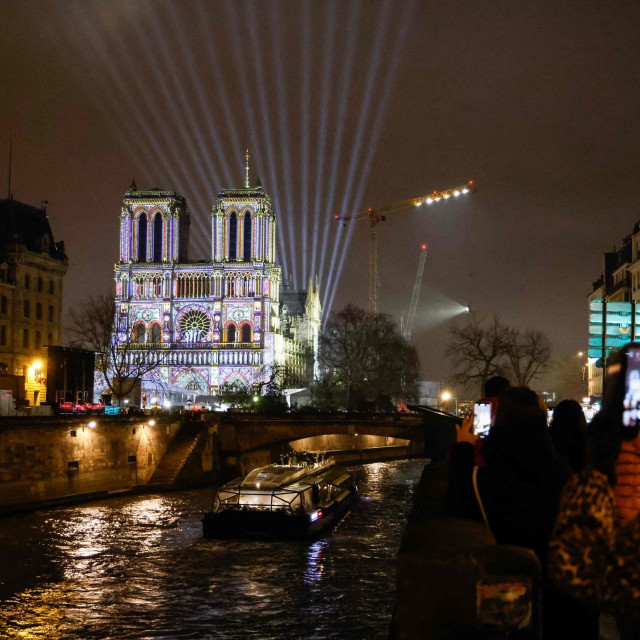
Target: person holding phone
[595,547]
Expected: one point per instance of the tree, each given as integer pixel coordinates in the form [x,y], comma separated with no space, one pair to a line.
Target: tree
[119,358]
[476,352]
[528,353]
[479,351]
[366,358]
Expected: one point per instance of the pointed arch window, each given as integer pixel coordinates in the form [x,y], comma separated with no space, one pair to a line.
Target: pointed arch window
[246,333]
[139,334]
[233,236]
[157,237]
[142,238]
[231,333]
[156,334]
[246,245]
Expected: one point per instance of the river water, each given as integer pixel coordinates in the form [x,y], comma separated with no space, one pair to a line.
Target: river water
[138,567]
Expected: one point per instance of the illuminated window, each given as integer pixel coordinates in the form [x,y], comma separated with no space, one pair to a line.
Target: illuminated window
[142,238]
[233,236]
[195,326]
[157,238]
[39,285]
[3,335]
[27,281]
[231,333]
[51,313]
[246,253]
[38,311]
[25,338]
[3,304]
[27,308]
[246,333]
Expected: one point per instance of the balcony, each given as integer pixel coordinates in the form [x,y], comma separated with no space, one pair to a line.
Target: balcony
[222,354]
[171,346]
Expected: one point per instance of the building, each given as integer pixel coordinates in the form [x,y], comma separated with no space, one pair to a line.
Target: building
[209,324]
[70,375]
[619,283]
[32,269]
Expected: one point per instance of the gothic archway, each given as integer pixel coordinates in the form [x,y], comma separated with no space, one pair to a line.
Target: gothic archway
[142,237]
[157,237]
[246,244]
[233,236]
[245,332]
[231,333]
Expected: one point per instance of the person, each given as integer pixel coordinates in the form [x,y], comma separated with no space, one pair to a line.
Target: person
[519,488]
[594,553]
[493,387]
[568,431]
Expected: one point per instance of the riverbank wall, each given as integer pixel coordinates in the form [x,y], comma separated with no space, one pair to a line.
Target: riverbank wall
[58,460]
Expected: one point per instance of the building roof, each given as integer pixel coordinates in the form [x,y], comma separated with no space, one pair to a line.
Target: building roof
[28,225]
[295,301]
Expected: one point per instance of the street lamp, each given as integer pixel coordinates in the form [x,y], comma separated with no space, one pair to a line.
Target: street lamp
[445,396]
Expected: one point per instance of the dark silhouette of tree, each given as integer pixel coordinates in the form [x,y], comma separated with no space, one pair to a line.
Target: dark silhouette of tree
[118,357]
[479,350]
[528,353]
[366,358]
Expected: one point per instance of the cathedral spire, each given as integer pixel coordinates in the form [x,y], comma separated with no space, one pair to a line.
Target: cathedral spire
[246,169]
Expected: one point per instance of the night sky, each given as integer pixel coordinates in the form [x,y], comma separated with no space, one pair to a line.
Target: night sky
[343,106]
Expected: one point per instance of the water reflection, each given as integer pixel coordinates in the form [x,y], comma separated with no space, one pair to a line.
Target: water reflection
[138,567]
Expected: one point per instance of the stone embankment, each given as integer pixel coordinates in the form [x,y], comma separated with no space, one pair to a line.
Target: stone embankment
[59,460]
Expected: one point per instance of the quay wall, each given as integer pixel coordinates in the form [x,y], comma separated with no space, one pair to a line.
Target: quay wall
[47,458]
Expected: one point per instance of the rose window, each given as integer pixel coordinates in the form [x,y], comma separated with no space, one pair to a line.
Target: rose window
[195,326]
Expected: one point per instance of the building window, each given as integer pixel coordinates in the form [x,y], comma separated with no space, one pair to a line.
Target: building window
[246,333]
[39,285]
[38,311]
[138,334]
[25,338]
[142,238]
[51,287]
[156,334]
[4,304]
[27,281]
[51,312]
[27,308]
[157,238]
[49,339]
[231,333]
[233,236]
[38,340]
[3,335]
[246,248]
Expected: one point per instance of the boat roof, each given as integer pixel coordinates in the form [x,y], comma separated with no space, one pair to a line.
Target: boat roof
[278,475]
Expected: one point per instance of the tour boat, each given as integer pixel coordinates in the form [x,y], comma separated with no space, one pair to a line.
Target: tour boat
[297,497]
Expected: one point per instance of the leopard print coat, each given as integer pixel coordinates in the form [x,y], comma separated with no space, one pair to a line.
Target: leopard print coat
[589,556]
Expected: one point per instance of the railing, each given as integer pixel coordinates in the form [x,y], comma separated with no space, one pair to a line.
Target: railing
[193,357]
[161,346]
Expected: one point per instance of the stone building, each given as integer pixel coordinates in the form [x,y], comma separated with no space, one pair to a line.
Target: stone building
[32,269]
[213,323]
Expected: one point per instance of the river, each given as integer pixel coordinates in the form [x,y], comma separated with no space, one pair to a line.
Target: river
[138,567]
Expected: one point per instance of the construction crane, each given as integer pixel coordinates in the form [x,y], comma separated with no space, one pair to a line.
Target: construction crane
[375,216]
[406,327]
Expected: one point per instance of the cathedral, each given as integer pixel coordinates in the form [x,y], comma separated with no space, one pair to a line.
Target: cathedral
[224,322]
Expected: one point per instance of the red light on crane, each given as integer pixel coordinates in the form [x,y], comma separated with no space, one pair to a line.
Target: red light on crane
[336,217]
[423,246]
[470,181]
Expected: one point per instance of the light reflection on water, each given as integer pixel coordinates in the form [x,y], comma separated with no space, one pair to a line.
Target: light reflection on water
[138,567]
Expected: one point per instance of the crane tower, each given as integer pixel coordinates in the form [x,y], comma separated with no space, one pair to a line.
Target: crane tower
[375,216]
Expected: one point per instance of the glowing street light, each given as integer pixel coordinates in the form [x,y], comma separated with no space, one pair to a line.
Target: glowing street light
[92,424]
[446,395]
[151,423]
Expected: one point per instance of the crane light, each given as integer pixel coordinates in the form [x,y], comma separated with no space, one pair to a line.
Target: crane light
[429,200]
[423,246]
[456,193]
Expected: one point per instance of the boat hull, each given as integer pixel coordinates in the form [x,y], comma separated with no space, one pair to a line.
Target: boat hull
[252,523]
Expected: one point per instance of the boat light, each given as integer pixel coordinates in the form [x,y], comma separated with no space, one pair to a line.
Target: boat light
[315,515]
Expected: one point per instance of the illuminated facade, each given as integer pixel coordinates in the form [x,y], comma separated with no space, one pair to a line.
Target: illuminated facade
[32,268]
[215,323]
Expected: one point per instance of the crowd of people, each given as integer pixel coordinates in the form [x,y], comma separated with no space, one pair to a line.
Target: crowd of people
[569,491]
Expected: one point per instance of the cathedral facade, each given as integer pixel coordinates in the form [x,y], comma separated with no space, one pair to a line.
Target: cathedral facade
[212,324]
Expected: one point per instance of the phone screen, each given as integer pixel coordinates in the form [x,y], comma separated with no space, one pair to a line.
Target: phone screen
[631,402]
[481,418]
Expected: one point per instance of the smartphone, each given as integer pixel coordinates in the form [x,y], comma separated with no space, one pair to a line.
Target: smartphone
[481,418]
[631,400]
